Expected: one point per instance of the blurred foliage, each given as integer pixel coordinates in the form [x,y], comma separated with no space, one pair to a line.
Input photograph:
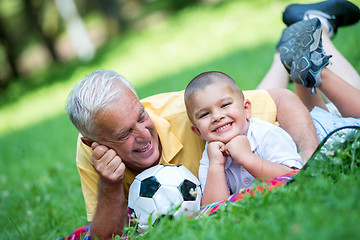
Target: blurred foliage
[109,22]
[40,191]
[32,30]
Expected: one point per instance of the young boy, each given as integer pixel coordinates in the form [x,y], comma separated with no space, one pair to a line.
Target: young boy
[239,148]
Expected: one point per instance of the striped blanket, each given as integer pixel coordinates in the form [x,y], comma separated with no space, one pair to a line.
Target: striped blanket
[83,233]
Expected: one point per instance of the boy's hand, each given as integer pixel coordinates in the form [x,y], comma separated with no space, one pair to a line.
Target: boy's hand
[107,164]
[216,154]
[238,148]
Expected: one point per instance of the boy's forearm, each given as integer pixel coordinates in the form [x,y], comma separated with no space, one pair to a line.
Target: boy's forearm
[215,187]
[262,169]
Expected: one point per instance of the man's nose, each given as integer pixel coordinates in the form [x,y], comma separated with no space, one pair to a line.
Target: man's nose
[142,133]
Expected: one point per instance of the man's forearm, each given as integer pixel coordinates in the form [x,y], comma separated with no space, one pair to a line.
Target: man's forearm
[111,214]
[295,119]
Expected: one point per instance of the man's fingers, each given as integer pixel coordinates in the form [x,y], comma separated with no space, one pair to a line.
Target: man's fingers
[109,155]
[98,151]
[118,169]
[107,164]
[94,145]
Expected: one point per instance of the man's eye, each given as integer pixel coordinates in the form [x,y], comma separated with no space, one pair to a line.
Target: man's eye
[125,136]
[143,117]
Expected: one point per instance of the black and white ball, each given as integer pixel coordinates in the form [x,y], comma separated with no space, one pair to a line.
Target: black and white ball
[162,190]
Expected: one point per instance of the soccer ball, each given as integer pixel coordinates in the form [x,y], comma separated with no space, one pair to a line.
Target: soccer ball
[163,190]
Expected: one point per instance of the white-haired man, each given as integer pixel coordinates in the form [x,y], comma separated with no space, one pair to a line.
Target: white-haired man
[120,136]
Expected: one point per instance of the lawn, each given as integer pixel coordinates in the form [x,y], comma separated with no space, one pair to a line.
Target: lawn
[40,192]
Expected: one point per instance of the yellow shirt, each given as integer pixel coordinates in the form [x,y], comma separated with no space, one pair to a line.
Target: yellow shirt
[179,144]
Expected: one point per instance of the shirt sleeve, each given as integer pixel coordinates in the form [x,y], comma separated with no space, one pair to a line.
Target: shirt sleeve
[277,146]
[203,169]
[88,178]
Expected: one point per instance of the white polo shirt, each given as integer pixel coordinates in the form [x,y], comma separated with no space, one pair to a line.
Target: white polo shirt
[267,141]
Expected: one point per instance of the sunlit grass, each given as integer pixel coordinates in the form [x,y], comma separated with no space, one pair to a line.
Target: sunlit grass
[40,192]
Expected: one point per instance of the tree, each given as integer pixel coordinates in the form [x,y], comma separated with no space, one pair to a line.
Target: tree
[32,17]
[9,50]
[76,30]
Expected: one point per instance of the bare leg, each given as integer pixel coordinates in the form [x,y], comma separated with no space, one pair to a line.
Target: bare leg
[343,95]
[310,100]
[276,77]
[338,63]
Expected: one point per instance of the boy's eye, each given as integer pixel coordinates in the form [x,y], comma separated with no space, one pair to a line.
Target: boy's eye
[203,115]
[225,104]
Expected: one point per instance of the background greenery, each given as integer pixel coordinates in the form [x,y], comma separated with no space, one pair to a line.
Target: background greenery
[40,192]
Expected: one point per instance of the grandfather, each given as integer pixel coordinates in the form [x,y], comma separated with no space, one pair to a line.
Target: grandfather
[120,136]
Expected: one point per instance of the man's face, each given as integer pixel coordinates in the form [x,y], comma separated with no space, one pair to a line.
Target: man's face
[219,113]
[127,128]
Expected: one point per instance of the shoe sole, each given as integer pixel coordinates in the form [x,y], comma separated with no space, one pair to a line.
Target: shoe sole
[307,41]
[288,47]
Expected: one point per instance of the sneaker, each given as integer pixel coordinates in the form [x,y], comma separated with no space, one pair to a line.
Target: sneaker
[287,44]
[310,57]
[302,54]
[338,12]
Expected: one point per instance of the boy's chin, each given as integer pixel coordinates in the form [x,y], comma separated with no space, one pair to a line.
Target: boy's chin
[224,140]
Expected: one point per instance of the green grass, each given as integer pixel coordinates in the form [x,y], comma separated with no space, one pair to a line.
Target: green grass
[40,192]
[321,203]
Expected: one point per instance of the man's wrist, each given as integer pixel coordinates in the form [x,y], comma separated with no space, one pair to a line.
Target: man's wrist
[110,189]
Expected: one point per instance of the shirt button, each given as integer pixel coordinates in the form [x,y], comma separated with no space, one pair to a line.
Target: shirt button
[246,181]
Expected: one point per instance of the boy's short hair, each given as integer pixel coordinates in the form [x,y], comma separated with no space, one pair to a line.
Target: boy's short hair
[205,79]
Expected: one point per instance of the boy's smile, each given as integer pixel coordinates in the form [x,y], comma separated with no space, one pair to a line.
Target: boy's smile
[219,113]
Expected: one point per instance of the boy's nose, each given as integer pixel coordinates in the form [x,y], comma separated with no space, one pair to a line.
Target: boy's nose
[217,116]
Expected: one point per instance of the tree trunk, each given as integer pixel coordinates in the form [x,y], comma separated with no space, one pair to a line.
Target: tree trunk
[9,51]
[30,14]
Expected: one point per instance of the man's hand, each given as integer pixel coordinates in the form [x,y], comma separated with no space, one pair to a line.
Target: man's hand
[107,164]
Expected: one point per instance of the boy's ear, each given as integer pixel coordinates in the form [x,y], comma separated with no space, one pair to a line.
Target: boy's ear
[87,141]
[247,108]
[195,130]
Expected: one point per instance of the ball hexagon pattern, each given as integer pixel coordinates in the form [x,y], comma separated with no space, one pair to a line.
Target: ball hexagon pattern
[162,190]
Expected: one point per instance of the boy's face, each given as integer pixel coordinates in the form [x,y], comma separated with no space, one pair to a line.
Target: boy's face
[219,113]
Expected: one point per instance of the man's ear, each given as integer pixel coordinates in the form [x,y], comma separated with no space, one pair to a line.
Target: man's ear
[195,130]
[87,141]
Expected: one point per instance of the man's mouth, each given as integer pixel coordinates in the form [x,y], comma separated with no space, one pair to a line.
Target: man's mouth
[223,127]
[144,148]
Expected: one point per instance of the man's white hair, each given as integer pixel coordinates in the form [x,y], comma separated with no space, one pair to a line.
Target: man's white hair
[93,93]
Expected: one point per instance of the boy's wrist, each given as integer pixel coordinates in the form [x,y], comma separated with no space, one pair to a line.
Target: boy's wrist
[241,159]
[216,167]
